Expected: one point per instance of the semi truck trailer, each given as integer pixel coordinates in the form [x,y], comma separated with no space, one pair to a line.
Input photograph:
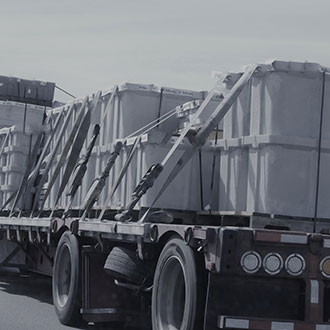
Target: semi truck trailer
[174,209]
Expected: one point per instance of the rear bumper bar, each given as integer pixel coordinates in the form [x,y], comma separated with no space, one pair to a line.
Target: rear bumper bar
[233,322]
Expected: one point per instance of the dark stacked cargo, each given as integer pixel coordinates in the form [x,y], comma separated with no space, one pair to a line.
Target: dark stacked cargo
[26,91]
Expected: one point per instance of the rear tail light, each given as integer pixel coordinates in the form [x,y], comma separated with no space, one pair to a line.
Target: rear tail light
[325,267]
[251,262]
[295,264]
[273,263]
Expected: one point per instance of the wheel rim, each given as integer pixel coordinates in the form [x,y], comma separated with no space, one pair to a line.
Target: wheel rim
[171,297]
[64,275]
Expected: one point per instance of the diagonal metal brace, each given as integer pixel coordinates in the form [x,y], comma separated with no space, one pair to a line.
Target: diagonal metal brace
[10,256]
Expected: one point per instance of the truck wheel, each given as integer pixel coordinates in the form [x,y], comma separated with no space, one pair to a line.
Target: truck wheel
[66,280]
[123,263]
[177,298]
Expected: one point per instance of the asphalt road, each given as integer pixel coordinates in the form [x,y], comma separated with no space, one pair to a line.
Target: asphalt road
[26,304]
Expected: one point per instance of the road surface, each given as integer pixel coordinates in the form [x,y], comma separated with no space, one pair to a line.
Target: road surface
[26,304]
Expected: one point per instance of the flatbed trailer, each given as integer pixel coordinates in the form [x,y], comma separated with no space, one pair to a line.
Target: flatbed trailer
[237,297]
[169,269]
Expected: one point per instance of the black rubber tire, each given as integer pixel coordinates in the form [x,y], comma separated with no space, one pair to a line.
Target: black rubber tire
[123,263]
[178,296]
[66,281]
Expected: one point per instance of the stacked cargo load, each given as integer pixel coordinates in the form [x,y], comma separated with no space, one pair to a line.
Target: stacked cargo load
[25,117]
[26,91]
[23,108]
[275,152]
[14,156]
[145,118]
[273,142]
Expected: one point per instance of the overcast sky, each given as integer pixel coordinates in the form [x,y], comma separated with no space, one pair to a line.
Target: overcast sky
[85,45]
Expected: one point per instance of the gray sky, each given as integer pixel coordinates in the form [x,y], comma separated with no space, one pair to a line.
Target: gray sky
[85,45]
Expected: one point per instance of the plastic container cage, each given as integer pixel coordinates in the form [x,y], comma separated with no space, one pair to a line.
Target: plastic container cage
[272,160]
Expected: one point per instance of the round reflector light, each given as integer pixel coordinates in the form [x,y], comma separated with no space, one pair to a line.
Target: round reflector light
[325,266]
[295,264]
[251,262]
[273,263]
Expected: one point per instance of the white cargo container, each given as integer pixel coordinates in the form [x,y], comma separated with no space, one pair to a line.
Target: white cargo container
[133,107]
[27,118]
[274,175]
[15,149]
[282,176]
[272,165]
[282,98]
[286,100]
[141,104]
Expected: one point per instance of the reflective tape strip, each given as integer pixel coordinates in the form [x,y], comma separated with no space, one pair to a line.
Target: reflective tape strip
[225,322]
[296,239]
[322,327]
[282,326]
[314,292]
[237,323]
[267,236]
[326,243]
